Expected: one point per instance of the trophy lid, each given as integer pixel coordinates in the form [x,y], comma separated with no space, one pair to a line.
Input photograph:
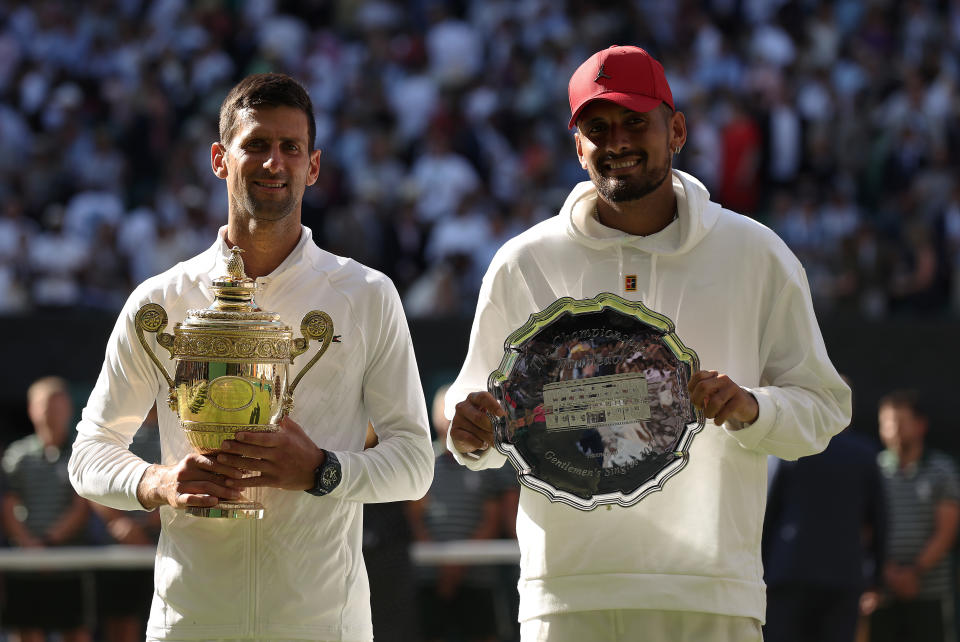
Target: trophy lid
[233,299]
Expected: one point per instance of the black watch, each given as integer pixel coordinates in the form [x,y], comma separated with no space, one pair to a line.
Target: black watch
[327,476]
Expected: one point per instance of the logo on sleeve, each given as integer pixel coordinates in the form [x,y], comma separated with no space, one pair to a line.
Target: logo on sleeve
[630,283]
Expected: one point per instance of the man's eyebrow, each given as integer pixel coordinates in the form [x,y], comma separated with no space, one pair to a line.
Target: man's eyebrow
[256,137]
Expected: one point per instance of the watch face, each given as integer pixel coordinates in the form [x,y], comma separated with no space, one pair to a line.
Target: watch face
[330,477]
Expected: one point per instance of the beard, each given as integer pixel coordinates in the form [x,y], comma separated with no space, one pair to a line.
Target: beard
[617,189]
[264,209]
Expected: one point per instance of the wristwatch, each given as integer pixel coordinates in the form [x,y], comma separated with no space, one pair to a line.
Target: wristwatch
[326,477]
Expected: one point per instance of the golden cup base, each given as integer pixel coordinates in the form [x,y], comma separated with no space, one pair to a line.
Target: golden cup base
[228,510]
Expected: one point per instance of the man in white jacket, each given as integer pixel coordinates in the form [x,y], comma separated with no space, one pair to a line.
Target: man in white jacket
[298,573]
[684,562]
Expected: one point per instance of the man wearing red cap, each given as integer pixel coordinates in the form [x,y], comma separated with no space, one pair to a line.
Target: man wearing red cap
[682,563]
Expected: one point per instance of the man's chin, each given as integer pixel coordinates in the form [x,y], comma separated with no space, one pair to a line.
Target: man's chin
[624,190]
[621,193]
[271,211]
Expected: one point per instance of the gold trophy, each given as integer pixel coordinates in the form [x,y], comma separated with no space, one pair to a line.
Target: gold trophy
[231,368]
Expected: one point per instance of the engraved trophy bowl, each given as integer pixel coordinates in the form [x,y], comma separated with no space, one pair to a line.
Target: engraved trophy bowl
[594,393]
[230,371]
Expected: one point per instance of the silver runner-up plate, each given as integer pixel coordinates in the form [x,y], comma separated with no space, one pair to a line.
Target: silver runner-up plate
[596,401]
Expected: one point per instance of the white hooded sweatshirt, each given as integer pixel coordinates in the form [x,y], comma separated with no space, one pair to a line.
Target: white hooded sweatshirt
[739,298]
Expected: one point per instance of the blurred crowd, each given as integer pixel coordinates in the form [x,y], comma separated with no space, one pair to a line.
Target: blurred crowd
[443,129]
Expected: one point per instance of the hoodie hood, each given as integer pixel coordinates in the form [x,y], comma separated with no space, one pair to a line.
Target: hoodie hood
[696,215]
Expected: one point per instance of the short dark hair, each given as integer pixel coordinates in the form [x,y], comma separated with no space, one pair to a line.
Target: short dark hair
[265,90]
[909,399]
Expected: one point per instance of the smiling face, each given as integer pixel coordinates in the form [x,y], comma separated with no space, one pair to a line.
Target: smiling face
[627,153]
[267,163]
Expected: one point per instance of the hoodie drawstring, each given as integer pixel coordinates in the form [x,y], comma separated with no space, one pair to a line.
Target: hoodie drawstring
[652,286]
[620,262]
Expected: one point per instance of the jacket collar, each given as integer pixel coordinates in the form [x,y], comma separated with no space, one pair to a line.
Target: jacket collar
[305,250]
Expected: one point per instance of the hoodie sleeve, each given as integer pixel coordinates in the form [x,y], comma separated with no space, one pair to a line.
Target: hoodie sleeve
[487,335]
[803,401]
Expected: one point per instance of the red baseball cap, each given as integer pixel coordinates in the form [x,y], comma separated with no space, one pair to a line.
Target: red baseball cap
[628,76]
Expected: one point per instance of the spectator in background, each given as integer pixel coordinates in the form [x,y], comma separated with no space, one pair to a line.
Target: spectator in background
[825,524]
[16,231]
[443,178]
[40,509]
[740,177]
[458,602]
[55,262]
[924,506]
[123,595]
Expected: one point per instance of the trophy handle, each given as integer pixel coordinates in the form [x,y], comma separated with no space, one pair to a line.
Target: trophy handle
[316,325]
[153,318]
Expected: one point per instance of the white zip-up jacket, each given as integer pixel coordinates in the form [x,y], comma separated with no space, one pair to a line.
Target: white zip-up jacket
[298,573]
[740,299]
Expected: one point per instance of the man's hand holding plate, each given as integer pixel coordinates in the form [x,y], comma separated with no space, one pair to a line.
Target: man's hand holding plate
[470,429]
[721,398]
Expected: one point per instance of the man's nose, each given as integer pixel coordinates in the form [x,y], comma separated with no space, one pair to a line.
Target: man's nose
[274,160]
[619,139]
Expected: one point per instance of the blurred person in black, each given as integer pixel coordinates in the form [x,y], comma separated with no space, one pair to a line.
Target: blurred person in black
[823,541]
[41,510]
[923,490]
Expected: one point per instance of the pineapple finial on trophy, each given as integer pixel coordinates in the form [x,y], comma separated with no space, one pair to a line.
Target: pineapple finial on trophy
[235,264]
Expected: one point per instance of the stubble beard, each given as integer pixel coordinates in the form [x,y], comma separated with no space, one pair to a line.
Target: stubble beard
[617,189]
[265,211]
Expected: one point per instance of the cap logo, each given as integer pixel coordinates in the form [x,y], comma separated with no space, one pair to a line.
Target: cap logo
[601,74]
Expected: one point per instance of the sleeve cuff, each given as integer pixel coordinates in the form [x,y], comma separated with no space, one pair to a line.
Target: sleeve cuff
[750,435]
[137,475]
[477,460]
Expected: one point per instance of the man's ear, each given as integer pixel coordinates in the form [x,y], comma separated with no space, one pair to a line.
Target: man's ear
[576,138]
[218,162]
[314,171]
[678,131]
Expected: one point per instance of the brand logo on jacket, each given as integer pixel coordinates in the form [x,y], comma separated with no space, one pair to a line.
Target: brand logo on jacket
[630,283]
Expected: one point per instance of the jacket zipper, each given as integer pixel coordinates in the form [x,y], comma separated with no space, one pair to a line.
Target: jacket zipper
[263,284]
[254,575]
